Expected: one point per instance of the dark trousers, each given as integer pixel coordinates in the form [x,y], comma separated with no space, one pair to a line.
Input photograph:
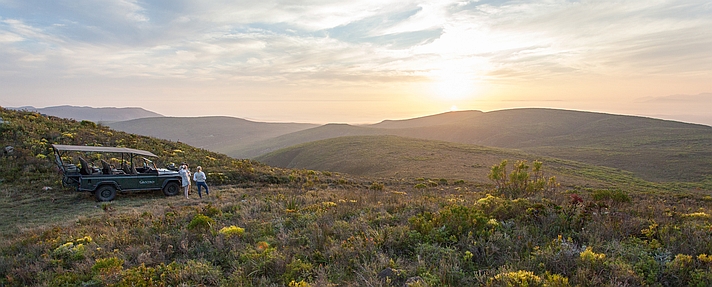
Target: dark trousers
[202,184]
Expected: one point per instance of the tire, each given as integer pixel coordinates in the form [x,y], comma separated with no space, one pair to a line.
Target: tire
[171,189]
[105,193]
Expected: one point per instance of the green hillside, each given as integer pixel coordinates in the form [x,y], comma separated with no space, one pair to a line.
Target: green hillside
[399,158]
[219,134]
[313,134]
[29,169]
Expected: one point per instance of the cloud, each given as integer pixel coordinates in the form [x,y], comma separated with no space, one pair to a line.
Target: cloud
[702,98]
[366,43]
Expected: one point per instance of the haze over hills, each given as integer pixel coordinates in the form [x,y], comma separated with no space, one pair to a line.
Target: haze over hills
[653,149]
[103,115]
[220,134]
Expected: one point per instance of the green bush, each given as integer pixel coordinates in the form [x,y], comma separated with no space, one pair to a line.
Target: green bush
[376,186]
[517,278]
[107,270]
[201,223]
[520,181]
[615,195]
[232,230]
[449,224]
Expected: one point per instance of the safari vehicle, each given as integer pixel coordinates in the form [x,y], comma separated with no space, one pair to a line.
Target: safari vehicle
[106,179]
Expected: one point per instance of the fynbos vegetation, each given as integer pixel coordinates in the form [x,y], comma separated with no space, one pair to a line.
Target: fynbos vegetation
[521,181]
[312,228]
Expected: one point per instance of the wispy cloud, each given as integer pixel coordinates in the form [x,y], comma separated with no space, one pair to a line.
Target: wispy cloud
[328,43]
[704,99]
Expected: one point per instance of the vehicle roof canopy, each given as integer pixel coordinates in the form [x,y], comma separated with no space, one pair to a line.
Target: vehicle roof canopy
[60,147]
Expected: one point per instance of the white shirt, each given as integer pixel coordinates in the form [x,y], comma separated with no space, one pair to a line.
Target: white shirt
[199,176]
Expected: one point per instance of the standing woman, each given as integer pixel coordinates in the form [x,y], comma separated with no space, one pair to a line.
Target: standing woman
[199,178]
[185,179]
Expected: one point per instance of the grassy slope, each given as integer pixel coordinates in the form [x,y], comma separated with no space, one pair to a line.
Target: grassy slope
[655,150]
[313,134]
[221,134]
[396,157]
[325,229]
[24,174]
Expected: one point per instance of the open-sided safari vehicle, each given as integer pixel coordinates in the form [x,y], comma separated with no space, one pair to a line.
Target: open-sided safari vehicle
[105,179]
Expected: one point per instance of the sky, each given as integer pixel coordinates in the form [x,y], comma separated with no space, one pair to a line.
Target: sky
[359,61]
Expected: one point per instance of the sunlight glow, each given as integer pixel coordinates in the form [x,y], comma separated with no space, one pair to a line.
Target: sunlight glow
[453,108]
[453,82]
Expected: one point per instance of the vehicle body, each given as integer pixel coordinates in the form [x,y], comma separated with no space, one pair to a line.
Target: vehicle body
[105,180]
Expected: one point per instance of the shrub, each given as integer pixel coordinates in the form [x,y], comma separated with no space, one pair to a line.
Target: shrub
[69,252]
[298,270]
[201,223]
[517,278]
[299,284]
[232,230]
[615,195]
[107,270]
[591,259]
[520,181]
[376,186]
[192,273]
[449,224]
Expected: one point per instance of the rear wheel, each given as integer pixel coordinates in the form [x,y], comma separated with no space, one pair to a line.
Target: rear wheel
[105,193]
[172,188]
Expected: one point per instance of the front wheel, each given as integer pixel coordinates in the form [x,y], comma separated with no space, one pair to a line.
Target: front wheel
[105,193]
[172,188]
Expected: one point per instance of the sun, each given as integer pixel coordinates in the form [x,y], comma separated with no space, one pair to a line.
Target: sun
[453,83]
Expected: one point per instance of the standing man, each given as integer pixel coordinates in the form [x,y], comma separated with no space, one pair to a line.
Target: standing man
[199,178]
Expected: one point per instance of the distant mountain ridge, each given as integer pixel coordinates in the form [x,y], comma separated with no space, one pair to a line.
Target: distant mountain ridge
[99,115]
[216,133]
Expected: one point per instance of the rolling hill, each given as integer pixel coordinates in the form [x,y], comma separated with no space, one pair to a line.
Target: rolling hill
[653,149]
[220,134]
[400,158]
[97,115]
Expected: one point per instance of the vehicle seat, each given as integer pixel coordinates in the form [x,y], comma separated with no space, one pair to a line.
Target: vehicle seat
[128,169]
[59,163]
[105,167]
[84,169]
